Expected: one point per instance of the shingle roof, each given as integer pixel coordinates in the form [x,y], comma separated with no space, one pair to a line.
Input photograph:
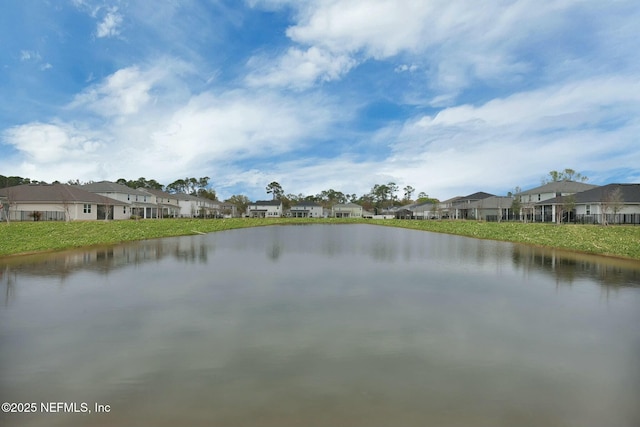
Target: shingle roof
[347,205]
[54,193]
[111,187]
[560,187]
[267,202]
[493,203]
[476,196]
[306,203]
[630,194]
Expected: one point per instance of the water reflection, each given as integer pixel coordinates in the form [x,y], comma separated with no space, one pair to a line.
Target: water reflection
[322,325]
[569,268]
[388,246]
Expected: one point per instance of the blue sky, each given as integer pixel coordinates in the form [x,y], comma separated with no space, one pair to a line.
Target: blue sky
[450,97]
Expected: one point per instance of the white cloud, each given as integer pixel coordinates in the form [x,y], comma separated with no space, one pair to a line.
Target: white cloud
[45,144]
[110,24]
[299,69]
[491,147]
[128,90]
[29,55]
[145,123]
[455,42]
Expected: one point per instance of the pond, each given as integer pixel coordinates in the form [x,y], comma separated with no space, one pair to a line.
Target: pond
[319,325]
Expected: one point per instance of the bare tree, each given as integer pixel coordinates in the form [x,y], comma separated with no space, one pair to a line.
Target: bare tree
[9,201]
[568,205]
[612,201]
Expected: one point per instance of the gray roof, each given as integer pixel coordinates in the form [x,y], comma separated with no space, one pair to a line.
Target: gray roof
[560,187]
[306,203]
[184,196]
[493,202]
[111,187]
[158,193]
[54,193]
[266,202]
[347,205]
[630,194]
[476,196]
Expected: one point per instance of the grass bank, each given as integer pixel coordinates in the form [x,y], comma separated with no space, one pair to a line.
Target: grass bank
[30,237]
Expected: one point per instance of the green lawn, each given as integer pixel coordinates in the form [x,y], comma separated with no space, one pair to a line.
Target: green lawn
[29,237]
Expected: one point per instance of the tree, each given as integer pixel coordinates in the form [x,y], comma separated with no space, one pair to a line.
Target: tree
[188,185]
[408,192]
[516,203]
[612,201]
[207,194]
[141,182]
[568,205]
[12,181]
[240,201]
[424,198]
[330,197]
[275,189]
[565,175]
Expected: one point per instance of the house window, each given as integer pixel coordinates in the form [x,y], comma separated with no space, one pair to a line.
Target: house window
[538,197]
[588,209]
[128,196]
[124,209]
[87,208]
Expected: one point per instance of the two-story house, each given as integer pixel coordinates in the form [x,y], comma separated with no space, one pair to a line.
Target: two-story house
[265,209]
[346,210]
[545,212]
[307,209]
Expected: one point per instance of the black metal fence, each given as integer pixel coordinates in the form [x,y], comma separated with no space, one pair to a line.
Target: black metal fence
[632,219]
[36,216]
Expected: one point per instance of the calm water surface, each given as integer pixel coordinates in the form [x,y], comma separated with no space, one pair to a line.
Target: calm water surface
[321,325]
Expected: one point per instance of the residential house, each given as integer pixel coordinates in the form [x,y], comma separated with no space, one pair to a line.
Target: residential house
[404,213]
[446,209]
[58,202]
[198,207]
[265,209]
[167,204]
[426,210]
[346,210]
[533,209]
[465,207]
[228,210]
[494,208]
[138,203]
[609,204]
[307,209]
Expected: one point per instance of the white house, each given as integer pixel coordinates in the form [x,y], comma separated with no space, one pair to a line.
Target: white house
[167,204]
[198,207]
[307,209]
[139,203]
[544,212]
[265,209]
[611,204]
[346,210]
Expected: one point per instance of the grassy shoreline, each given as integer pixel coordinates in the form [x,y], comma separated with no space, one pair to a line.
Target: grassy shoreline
[33,237]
